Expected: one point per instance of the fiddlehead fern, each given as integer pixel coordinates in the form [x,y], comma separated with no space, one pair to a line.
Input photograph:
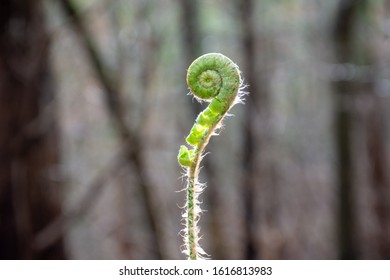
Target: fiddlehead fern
[216,79]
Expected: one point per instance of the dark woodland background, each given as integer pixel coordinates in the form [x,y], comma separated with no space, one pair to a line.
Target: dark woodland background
[93,109]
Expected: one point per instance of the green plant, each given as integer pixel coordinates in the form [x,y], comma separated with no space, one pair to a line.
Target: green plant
[214,78]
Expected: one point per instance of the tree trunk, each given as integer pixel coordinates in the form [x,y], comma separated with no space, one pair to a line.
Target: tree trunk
[347,92]
[248,44]
[29,191]
[257,164]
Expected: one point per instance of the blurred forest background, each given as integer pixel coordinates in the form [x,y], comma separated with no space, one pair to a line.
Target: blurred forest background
[93,109]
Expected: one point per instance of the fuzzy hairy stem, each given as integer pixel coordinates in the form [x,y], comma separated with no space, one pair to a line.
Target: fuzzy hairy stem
[194,189]
[191,222]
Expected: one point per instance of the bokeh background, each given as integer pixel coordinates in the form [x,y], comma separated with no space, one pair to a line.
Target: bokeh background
[94,106]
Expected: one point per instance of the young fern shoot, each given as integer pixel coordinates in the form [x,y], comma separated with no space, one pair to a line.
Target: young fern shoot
[216,79]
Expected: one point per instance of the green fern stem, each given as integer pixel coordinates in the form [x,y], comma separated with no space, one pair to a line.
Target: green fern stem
[216,79]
